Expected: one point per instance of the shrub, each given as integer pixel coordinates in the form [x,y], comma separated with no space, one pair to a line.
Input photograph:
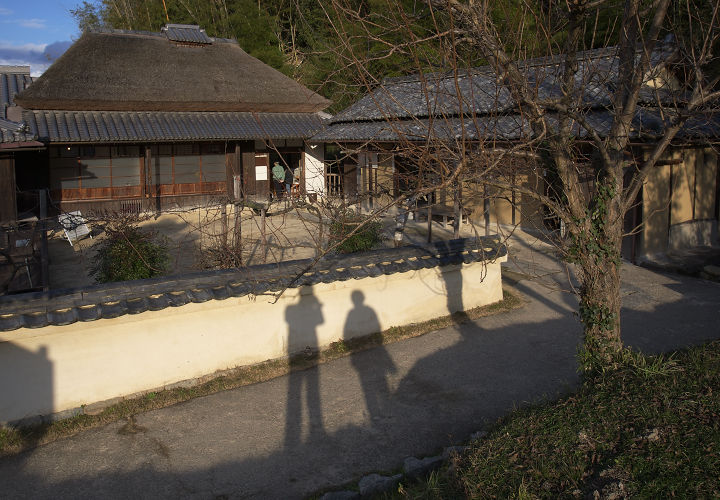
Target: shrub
[128,253]
[363,239]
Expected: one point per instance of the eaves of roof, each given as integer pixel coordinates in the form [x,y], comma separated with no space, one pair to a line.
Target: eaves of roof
[648,124]
[158,126]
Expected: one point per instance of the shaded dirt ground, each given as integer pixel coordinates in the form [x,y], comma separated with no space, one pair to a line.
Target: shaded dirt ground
[294,235]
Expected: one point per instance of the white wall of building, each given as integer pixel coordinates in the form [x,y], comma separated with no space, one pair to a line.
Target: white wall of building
[315,169]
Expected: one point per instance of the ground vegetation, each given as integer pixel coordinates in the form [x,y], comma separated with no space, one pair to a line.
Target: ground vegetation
[647,430]
[128,252]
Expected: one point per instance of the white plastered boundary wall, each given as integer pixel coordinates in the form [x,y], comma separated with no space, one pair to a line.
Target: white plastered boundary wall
[57,369]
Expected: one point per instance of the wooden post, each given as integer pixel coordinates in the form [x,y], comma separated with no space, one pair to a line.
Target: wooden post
[237,232]
[224,225]
[44,252]
[262,232]
[456,210]
[513,201]
[360,181]
[486,209]
[237,187]
[429,222]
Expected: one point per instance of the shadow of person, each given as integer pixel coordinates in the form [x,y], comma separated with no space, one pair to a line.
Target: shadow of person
[26,391]
[303,319]
[372,366]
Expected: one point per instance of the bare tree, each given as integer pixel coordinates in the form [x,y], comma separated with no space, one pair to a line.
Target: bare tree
[577,114]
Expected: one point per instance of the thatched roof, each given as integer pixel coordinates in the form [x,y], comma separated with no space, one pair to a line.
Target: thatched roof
[114,70]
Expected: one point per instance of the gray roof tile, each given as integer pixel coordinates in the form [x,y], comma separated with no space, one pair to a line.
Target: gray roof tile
[186,33]
[14,132]
[158,126]
[430,107]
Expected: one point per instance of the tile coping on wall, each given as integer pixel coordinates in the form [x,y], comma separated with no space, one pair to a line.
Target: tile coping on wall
[66,306]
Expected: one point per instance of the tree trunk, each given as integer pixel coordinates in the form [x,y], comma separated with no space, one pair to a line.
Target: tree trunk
[600,314]
[597,245]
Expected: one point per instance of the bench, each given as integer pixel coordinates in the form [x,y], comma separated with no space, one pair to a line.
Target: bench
[445,212]
[74,225]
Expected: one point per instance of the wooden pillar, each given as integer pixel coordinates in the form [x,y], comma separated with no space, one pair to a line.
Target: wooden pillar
[486,209]
[8,202]
[429,222]
[456,210]
[360,172]
[247,169]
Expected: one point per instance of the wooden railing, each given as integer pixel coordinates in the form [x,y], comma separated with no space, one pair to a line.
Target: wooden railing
[333,182]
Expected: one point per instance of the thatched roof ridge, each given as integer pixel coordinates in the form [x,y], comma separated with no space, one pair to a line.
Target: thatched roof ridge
[115,70]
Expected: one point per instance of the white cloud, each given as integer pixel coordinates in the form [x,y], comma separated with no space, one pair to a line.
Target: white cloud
[5,12]
[37,56]
[33,23]
[10,47]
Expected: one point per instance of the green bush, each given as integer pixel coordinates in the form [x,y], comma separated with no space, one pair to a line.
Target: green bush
[365,238]
[129,253]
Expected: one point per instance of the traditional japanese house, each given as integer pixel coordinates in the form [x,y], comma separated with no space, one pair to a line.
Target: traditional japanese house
[16,140]
[149,121]
[385,132]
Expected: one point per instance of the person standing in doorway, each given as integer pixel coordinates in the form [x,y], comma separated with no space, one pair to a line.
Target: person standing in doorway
[288,180]
[278,173]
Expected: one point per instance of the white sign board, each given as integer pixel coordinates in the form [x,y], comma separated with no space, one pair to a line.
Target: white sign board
[261,173]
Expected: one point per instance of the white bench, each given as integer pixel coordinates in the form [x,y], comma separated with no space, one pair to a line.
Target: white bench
[74,225]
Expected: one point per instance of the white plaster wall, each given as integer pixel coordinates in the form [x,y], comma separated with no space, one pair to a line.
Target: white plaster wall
[315,168]
[57,368]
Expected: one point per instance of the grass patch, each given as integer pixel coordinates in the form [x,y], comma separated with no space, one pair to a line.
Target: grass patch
[16,439]
[648,430]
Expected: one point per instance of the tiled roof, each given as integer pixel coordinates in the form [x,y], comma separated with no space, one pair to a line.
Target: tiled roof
[186,33]
[481,93]
[14,132]
[13,79]
[157,126]
[438,106]
[648,123]
[63,307]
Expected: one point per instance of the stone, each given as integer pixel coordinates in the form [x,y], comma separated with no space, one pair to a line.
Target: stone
[713,271]
[341,495]
[477,436]
[453,451]
[374,484]
[416,468]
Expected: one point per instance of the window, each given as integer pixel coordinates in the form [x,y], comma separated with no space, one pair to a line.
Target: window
[91,167]
[213,163]
[95,172]
[189,164]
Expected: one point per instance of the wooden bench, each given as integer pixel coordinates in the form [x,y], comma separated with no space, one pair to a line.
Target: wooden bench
[443,211]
